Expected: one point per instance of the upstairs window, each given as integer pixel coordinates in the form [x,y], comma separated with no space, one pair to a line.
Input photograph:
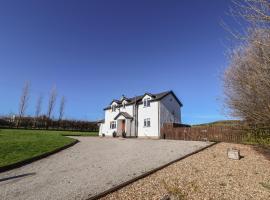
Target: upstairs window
[113,125]
[146,102]
[113,108]
[147,122]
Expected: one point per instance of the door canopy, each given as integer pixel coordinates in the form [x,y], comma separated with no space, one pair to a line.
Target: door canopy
[124,114]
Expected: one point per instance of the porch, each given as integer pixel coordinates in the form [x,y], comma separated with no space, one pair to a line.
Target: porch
[124,125]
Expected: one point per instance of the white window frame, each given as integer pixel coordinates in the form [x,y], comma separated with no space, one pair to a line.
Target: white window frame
[113,108]
[113,125]
[146,102]
[147,122]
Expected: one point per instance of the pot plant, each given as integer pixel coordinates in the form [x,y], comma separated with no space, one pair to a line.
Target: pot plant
[114,134]
[124,134]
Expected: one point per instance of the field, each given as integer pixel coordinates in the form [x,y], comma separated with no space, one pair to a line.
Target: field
[18,145]
[220,123]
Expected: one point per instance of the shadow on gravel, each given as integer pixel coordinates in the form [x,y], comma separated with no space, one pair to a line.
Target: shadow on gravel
[263,150]
[18,176]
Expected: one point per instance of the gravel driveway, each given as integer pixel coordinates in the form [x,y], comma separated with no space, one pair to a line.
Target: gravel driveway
[207,175]
[90,167]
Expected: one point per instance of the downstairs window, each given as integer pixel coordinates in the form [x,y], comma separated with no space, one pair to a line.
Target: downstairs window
[113,125]
[147,122]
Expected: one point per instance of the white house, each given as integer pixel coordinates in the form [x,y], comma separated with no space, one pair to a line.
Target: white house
[141,116]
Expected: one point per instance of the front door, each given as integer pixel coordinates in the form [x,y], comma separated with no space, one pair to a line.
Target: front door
[123,125]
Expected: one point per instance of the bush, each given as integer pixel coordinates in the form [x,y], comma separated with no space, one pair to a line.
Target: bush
[124,134]
[259,136]
[114,134]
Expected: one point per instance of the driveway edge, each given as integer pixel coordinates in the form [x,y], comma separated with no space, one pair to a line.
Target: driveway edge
[36,158]
[115,188]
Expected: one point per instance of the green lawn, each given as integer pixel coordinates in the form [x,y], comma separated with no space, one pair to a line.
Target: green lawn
[18,145]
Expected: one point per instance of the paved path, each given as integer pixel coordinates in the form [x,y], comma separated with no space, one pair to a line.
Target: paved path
[90,167]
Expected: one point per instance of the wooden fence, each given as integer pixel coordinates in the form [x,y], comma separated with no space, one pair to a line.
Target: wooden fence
[211,133]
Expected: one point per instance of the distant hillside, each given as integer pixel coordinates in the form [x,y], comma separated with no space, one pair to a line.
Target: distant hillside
[221,123]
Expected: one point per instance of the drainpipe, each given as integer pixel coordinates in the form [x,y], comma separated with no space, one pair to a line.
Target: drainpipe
[159,120]
[136,117]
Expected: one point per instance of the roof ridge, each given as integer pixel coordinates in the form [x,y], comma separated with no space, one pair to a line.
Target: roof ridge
[156,96]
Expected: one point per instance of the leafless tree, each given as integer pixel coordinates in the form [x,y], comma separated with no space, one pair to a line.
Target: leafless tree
[38,110]
[252,11]
[23,101]
[62,108]
[249,15]
[51,104]
[38,106]
[247,79]
[52,100]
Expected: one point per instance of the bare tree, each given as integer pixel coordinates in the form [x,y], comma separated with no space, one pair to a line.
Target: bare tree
[38,110]
[252,11]
[38,106]
[23,102]
[62,108]
[249,15]
[247,79]
[51,104]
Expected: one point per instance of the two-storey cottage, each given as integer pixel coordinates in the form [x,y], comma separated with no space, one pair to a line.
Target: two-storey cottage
[141,116]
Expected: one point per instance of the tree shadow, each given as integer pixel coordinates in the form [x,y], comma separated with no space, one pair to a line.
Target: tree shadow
[18,176]
[265,151]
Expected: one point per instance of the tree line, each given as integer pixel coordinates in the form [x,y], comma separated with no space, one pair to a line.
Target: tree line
[41,120]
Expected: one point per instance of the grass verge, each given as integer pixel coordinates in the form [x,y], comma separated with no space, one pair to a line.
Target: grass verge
[19,145]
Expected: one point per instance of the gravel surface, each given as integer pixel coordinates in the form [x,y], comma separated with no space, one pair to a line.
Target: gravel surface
[91,166]
[207,175]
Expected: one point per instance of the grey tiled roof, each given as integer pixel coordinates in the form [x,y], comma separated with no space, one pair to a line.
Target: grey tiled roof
[138,99]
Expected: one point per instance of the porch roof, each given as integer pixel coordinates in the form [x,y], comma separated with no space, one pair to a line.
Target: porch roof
[125,114]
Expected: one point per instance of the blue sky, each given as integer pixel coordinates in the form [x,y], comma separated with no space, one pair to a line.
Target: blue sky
[94,51]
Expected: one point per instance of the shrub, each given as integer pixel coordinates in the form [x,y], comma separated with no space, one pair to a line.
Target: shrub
[259,136]
[114,134]
[124,134]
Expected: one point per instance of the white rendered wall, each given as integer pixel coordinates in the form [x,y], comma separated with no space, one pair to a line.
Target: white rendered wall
[109,116]
[152,113]
[168,106]
[100,129]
